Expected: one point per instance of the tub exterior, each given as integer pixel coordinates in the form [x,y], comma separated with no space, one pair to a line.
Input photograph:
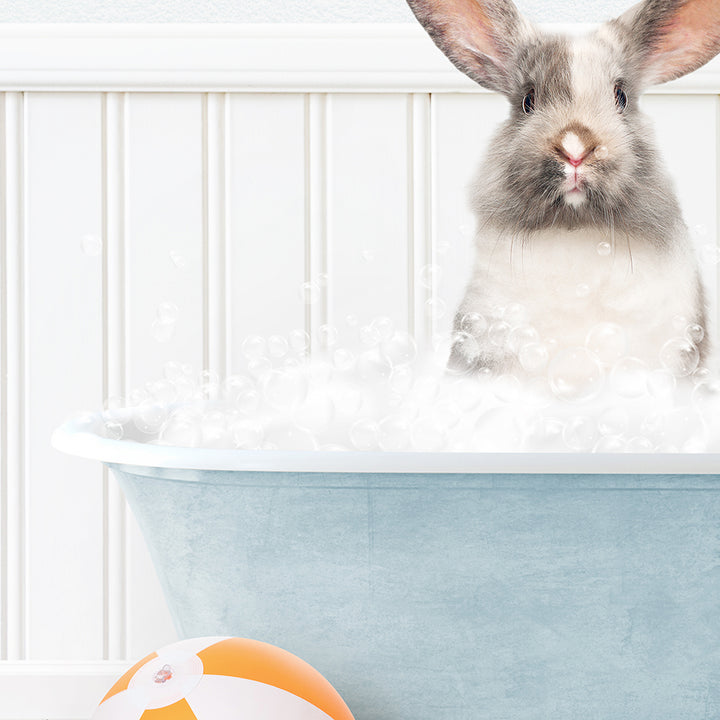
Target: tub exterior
[455,596]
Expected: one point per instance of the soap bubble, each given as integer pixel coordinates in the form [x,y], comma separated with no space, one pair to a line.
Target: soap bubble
[427,435]
[506,388]
[277,346]
[343,360]
[173,371]
[364,434]
[543,433]
[661,384]
[613,421]
[521,336]
[400,349]
[610,444]
[369,336]
[628,377]
[534,357]
[316,413]
[607,341]
[604,248]
[401,379]
[394,433]
[178,259]
[466,348]
[429,275]
[310,292]
[149,417]
[162,331]
[601,152]
[498,333]
[289,438]
[695,333]
[473,324]
[299,341]
[435,308]
[582,290]
[247,433]
[91,245]
[372,366]
[680,356]
[214,430]
[580,433]
[285,389]
[384,327]
[181,430]
[639,444]
[167,312]
[575,375]
[253,347]
[113,429]
[327,336]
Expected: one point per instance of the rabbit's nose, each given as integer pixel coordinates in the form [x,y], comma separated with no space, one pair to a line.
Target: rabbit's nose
[575,143]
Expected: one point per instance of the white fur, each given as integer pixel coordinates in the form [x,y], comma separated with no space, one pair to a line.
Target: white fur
[562,286]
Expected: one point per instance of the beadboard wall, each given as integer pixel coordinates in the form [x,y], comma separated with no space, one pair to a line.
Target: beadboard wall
[220,169]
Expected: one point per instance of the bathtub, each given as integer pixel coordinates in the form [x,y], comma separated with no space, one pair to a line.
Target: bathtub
[446,586]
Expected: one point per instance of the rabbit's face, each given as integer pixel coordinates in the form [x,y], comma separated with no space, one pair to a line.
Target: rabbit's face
[575,140]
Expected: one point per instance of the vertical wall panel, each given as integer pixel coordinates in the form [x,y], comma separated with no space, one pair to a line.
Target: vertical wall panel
[462,126]
[13,615]
[164,233]
[368,231]
[64,366]
[266,195]
[691,158]
[164,268]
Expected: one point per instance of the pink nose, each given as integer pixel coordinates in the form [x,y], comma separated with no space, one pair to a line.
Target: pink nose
[574,161]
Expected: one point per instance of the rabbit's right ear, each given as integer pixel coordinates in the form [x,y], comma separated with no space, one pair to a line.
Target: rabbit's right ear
[478,36]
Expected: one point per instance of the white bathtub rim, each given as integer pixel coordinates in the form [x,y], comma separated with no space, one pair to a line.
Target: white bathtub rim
[74,439]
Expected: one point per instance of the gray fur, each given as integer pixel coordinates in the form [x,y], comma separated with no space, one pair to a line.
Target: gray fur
[519,189]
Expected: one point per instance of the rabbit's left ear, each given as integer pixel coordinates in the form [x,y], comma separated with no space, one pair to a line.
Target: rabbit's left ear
[479,36]
[672,37]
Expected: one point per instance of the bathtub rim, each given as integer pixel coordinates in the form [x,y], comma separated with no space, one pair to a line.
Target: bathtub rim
[78,437]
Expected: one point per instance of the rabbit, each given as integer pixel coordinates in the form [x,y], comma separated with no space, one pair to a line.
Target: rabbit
[579,233]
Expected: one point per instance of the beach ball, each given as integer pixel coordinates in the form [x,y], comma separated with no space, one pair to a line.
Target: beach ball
[222,678]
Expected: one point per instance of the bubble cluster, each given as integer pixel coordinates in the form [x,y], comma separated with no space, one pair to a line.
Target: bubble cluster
[382,391]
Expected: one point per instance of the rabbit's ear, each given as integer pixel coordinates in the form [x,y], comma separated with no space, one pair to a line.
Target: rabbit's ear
[672,37]
[479,36]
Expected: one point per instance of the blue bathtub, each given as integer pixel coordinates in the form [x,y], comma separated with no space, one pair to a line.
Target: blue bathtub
[447,586]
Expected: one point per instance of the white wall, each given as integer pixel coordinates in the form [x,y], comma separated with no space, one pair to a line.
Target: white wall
[258,11]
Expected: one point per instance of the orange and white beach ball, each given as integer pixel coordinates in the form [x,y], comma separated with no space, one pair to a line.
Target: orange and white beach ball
[222,678]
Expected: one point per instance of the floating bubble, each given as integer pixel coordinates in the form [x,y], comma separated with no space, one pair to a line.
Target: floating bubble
[277,346]
[522,335]
[372,366]
[628,377]
[351,320]
[400,349]
[214,430]
[394,433]
[343,360]
[401,379]
[435,308]
[364,434]
[149,417]
[181,430]
[178,259]
[575,375]
[604,248]
[580,433]
[613,421]
[695,333]
[429,275]
[582,290]
[254,347]
[607,341]
[327,336]
[506,388]
[162,331]
[91,245]
[534,357]
[601,152]
[285,389]
[543,433]
[661,384]
[316,412]
[163,391]
[310,292]
[498,333]
[427,434]
[247,433]
[299,341]
[473,324]
[167,312]
[113,429]
[680,356]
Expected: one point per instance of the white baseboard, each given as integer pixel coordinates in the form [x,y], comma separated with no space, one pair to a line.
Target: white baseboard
[55,690]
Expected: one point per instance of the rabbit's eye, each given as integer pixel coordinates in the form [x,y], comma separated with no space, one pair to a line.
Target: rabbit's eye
[621,98]
[528,103]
